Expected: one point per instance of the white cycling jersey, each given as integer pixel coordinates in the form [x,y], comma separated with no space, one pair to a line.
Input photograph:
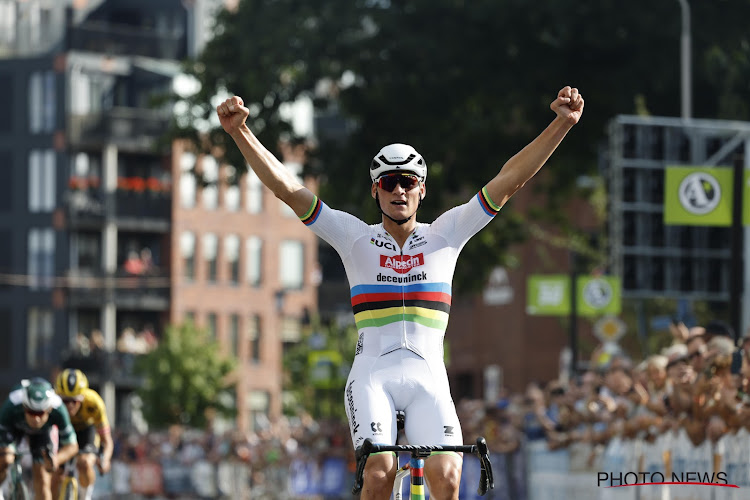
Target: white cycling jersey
[401,299]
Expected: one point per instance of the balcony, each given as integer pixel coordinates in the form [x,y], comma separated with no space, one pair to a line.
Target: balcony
[114,39]
[90,289]
[131,129]
[101,366]
[138,204]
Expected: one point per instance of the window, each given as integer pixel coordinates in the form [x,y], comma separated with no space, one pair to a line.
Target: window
[254,193]
[8,22]
[41,258]
[232,255]
[189,317]
[85,251]
[39,333]
[212,325]
[232,192]
[42,102]
[41,180]
[234,334]
[187,180]
[210,249]
[259,402]
[291,329]
[187,253]
[210,192]
[291,268]
[253,336]
[254,254]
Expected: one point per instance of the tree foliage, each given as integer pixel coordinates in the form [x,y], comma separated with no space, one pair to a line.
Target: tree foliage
[319,399]
[185,376]
[467,83]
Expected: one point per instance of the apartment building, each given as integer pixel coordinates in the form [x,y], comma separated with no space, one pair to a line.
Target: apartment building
[107,236]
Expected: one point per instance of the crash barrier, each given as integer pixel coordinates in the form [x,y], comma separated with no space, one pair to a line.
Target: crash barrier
[623,469]
[173,479]
[619,471]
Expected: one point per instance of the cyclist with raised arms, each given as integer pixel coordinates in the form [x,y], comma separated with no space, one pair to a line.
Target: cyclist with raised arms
[400,274]
[88,415]
[32,408]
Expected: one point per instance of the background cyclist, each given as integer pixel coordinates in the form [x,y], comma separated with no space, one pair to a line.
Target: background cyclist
[32,408]
[400,275]
[88,416]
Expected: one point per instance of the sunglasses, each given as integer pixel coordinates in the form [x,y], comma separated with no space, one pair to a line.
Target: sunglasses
[390,181]
[34,413]
[71,400]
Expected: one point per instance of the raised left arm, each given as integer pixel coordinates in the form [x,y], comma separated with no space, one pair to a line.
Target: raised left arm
[568,108]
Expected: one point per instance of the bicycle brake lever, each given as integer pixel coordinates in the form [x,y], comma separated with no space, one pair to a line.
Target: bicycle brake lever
[486,477]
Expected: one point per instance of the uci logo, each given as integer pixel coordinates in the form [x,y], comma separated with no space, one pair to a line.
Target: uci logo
[383,244]
[699,193]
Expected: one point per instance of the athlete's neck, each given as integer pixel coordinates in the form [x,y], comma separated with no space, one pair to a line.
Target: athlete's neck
[400,232]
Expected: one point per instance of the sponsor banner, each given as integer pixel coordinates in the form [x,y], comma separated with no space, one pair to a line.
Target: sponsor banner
[698,196]
[598,295]
[549,295]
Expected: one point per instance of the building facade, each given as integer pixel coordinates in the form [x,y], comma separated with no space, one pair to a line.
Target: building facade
[106,241]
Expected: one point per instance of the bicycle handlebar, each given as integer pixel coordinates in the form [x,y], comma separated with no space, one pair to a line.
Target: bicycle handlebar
[480,450]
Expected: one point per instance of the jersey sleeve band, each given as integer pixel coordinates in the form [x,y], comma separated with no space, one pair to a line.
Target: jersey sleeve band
[490,207]
[312,214]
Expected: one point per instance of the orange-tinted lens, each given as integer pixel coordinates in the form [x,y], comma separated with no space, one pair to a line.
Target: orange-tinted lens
[390,181]
[34,413]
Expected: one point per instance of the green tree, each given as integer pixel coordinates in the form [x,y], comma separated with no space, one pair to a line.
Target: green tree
[306,383]
[185,376]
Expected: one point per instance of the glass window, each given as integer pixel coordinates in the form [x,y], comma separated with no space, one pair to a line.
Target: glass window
[254,193]
[291,269]
[49,102]
[187,180]
[42,102]
[189,317]
[85,251]
[232,192]
[291,329]
[212,325]
[210,191]
[41,258]
[232,255]
[39,333]
[253,336]
[42,180]
[8,22]
[210,250]
[187,252]
[254,254]
[259,402]
[234,334]
[36,89]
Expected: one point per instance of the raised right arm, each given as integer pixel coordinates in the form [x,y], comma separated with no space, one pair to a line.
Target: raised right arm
[272,173]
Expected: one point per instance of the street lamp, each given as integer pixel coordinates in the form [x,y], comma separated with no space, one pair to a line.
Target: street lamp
[685,61]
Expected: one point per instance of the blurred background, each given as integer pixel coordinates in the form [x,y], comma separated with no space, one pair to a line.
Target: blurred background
[137,246]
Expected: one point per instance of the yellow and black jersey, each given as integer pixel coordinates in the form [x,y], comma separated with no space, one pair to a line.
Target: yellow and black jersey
[92,413]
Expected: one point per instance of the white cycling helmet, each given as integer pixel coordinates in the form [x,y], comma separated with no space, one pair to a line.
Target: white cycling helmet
[398,158]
